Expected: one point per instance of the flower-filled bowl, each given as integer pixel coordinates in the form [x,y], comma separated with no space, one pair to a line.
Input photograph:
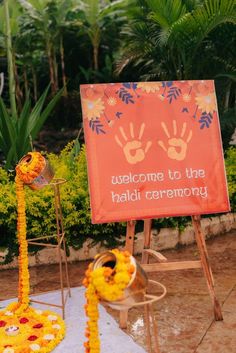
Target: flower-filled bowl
[34,170]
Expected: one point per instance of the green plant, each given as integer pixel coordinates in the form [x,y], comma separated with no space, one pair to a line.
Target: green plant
[17,133]
[71,165]
[40,206]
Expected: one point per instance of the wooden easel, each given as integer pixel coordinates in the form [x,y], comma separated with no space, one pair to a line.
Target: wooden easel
[162,263]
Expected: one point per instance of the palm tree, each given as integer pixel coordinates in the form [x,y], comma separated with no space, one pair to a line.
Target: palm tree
[49,19]
[172,37]
[39,20]
[95,15]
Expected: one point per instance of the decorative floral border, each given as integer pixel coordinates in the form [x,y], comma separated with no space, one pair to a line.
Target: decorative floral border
[98,99]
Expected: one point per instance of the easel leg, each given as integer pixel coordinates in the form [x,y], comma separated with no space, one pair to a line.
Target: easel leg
[206,266]
[129,245]
[147,239]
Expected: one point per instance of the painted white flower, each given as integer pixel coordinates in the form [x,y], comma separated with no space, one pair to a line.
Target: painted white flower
[48,337]
[111,101]
[35,347]
[161,97]
[38,311]
[56,326]
[8,313]
[8,350]
[52,317]
[186,98]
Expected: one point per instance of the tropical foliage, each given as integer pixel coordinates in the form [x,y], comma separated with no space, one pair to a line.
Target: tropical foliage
[18,132]
[63,43]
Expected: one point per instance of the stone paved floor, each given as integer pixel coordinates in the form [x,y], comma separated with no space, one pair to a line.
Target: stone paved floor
[185,315]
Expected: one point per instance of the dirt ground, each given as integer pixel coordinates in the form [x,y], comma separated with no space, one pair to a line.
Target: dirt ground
[184,316]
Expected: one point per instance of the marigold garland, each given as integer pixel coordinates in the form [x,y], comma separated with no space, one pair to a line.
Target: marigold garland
[22,328]
[104,283]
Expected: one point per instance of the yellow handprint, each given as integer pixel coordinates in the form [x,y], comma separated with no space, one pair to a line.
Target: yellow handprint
[133,149]
[177,148]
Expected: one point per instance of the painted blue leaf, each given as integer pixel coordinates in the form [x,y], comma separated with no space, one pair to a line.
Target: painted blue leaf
[134,85]
[125,96]
[173,93]
[96,126]
[127,85]
[118,114]
[205,120]
[169,83]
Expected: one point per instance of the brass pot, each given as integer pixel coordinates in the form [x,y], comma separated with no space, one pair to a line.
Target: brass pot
[44,177]
[136,288]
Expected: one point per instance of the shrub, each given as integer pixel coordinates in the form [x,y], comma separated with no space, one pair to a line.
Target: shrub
[230,164]
[71,165]
[40,207]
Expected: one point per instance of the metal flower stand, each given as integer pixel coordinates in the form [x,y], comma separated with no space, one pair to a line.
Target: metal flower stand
[60,247]
[151,324]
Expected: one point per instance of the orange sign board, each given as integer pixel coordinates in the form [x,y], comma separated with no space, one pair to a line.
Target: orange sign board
[153,150]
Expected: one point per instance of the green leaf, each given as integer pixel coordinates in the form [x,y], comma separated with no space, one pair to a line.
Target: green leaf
[41,118]
[7,126]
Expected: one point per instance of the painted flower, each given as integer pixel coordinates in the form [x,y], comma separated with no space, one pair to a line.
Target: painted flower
[93,109]
[38,326]
[8,313]
[149,86]
[12,330]
[186,97]
[32,338]
[48,337]
[38,311]
[56,327]
[2,323]
[24,320]
[206,102]
[52,317]
[111,101]
[161,97]
[94,92]
[8,350]
[111,123]
[35,347]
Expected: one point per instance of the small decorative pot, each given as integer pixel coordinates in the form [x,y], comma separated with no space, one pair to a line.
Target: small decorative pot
[34,170]
[136,288]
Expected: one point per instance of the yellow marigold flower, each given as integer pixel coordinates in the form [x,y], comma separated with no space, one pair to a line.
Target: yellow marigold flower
[149,87]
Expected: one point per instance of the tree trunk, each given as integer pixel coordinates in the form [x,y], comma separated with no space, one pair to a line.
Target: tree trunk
[51,68]
[95,57]
[34,76]
[19,93]
[65,93]
[227,95]
[55,68]
[12,85]
[26,83]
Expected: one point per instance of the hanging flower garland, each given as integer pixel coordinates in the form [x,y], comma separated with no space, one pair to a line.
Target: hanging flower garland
[22,328]
[104,283]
